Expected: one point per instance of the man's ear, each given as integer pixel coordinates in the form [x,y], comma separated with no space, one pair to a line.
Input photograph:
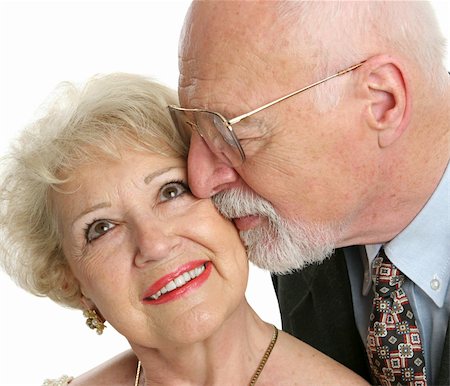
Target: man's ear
[389,105]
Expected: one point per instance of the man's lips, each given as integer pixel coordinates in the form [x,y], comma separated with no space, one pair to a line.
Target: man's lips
[247,222]
[178,282]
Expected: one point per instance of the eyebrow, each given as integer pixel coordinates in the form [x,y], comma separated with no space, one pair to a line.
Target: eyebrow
[149,178]
[153,175]
[91,209]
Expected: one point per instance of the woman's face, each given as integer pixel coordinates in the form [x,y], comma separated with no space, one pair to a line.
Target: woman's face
[132,231]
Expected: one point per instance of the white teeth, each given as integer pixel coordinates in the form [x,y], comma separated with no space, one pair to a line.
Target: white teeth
[179,281]
[170,286]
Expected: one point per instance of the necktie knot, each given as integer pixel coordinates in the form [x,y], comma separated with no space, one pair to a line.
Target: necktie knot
[386,276]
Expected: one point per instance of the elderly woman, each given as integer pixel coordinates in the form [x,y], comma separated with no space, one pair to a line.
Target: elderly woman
[96,214]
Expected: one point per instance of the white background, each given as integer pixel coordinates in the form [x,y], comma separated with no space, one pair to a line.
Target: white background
[41,44]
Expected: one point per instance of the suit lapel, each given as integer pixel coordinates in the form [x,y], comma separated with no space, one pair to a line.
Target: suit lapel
[316,306]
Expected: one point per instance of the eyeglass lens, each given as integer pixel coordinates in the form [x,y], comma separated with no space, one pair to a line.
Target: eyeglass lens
[214,132]
[219,137]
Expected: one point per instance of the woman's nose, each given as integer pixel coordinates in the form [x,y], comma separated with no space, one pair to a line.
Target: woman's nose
[153,243]
[208,175]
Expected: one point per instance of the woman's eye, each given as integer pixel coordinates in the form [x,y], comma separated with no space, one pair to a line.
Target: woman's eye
[172,190]
[98,228]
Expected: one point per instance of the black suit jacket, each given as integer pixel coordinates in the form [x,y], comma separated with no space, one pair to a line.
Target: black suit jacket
[316,306]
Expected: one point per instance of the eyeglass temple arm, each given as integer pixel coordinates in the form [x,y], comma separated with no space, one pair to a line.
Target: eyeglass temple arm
[241,117]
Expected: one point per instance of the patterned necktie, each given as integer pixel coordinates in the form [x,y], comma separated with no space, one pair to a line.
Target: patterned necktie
[394,346]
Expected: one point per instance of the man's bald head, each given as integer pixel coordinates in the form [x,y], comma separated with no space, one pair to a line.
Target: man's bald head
[321,36]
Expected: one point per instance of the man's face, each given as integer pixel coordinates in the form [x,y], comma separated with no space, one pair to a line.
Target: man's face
[304,163]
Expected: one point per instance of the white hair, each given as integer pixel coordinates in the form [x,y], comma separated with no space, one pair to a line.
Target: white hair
[339,34]
[108,113]
[279,245]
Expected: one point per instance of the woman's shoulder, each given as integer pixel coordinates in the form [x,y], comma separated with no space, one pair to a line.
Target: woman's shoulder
[119,370]
[313,367]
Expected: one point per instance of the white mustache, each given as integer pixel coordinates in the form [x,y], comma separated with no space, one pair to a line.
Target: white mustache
[280,245]
[239,203]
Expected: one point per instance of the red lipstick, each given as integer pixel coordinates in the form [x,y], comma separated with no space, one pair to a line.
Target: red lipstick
[200,269]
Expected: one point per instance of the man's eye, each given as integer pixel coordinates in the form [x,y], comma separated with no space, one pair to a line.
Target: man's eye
[172,190]
[98,228]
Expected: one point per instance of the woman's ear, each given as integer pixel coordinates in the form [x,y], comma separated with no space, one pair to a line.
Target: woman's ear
[87,303]
[389,104]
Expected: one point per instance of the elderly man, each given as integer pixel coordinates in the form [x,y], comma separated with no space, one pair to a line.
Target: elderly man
[322,125]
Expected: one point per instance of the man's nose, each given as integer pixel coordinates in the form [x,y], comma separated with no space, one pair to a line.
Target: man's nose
[207,173]
[153,242]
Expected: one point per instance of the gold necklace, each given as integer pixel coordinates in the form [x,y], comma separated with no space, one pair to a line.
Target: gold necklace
[138,374]
[265,357]
[258,371]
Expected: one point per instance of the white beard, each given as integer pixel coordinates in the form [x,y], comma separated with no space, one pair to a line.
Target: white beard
[279,246]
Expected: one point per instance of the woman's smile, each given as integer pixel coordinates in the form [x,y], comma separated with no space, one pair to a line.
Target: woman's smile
[177,283]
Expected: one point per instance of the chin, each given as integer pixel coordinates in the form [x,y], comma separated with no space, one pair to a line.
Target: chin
[198,327]
[288,245]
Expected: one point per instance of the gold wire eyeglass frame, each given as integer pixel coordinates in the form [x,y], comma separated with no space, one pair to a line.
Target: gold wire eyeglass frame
[228,123]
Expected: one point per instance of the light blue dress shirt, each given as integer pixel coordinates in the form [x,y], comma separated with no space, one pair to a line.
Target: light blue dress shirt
[422,252]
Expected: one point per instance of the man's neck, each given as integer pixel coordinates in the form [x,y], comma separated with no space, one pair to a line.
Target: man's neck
[408,179]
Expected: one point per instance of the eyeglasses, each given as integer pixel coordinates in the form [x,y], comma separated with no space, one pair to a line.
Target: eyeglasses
[217,131]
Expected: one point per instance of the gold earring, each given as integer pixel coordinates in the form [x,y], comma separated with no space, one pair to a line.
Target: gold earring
[94,321]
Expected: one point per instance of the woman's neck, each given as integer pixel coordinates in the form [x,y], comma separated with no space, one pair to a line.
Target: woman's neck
[232,352]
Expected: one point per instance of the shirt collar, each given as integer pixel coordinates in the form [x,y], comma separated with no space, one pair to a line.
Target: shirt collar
[422,250]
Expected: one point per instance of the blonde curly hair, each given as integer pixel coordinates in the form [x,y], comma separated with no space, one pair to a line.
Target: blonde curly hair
[79,124]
